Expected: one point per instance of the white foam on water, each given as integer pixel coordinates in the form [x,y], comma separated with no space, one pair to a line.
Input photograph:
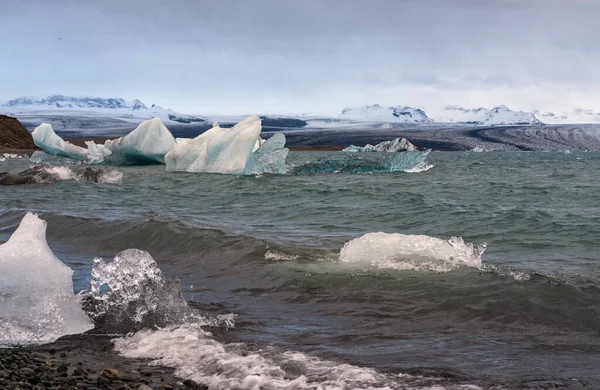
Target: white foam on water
[272,255]
[112,177]
[411,252]
[421,167]
[66,173]
[197,356]
[63,173]
[37,303]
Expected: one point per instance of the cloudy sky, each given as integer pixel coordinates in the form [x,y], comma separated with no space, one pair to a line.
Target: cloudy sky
[280,56]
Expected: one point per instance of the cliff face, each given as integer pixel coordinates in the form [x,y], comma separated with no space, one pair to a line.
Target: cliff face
[13,135]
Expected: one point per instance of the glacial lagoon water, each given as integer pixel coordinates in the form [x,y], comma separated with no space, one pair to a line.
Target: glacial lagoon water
[486,271]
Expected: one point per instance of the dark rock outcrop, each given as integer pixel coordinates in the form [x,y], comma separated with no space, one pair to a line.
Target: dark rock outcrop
[13,135]
[40,175]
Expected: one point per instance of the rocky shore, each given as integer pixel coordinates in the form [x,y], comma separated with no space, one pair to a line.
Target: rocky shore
[14,137]
[82,362]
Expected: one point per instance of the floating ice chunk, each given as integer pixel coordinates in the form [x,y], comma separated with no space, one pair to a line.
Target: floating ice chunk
[37,303]
[395,145]
[218,150]
[148,143]
[411,252]
[131,293]
[45,137]
[269,157]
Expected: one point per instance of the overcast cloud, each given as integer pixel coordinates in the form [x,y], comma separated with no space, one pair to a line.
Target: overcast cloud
[279,56]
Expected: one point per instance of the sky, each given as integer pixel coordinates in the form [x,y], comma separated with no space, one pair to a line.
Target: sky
[305,56]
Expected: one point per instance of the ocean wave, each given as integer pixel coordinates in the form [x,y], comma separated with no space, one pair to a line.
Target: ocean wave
[53,174]
[196,355]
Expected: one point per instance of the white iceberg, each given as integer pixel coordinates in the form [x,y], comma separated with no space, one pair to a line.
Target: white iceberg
[148,143]
[395,145]
[37,303]
[45,137]
[223,150]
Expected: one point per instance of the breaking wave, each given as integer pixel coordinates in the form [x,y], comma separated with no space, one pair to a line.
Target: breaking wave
[53,174]
[197,356]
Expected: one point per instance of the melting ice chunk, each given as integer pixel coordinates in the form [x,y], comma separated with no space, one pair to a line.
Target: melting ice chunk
[221,150]
[45,137]
[131,292]
[411,252]
[37,303]
[269,157]
[148,143]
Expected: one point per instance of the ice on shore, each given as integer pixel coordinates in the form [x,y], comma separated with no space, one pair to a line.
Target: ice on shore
[45,137]
[232,151]
[37,303]
[395,145]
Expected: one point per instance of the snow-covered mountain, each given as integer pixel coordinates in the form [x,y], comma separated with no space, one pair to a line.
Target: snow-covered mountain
[500,115]
[570,116]
[118,108]
[377,113]
[72,102]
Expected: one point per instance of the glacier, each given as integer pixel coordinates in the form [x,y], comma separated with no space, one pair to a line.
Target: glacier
[395,145]
[45,138]
[230,150]
[37,303]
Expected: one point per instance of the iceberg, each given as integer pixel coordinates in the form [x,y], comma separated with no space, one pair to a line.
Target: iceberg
[395,145]
[45,137]
[269,157]
[37,303]
[222,150]
[147,144]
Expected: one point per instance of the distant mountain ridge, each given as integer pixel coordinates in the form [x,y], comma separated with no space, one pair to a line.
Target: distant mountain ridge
[62,101]
[117,107]
[375,112]
[499,115]
[132,110]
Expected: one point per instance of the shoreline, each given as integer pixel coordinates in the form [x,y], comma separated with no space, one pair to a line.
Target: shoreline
[83,361]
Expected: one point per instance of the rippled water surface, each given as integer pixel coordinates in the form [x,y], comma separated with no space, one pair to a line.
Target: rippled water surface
[267,248]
